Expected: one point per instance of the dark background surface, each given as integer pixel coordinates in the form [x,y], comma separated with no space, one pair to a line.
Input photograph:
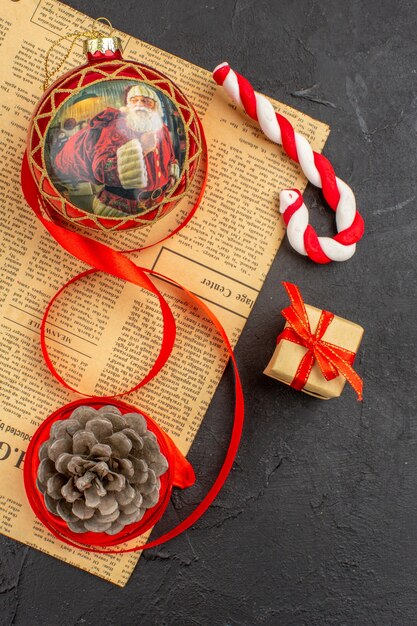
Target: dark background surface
[317,523]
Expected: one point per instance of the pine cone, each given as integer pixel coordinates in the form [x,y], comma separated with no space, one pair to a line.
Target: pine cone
[99,469]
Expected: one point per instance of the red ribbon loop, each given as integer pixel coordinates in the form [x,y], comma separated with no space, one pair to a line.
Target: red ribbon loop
[103,258]
[332,360]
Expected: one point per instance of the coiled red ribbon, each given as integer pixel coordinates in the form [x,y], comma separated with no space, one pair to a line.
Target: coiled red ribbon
[332,360]
[103,258]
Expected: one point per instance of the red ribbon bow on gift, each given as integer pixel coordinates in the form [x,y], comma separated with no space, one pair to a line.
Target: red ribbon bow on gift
[332,360]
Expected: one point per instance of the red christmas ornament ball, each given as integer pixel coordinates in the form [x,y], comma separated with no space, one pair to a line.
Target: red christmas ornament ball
[113,144]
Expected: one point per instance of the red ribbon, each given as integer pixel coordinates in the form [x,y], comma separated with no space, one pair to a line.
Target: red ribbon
[104,258]
[332,360]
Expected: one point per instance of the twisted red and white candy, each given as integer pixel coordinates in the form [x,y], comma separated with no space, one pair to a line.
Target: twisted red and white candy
[302,236]
[316,167]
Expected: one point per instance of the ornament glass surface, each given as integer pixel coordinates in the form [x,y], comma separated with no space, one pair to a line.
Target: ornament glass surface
[113,144]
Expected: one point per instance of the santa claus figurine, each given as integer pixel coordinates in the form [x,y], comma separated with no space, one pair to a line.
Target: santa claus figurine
[128,150]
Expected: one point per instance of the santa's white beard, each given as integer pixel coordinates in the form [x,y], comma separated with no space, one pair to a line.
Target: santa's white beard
[143,120]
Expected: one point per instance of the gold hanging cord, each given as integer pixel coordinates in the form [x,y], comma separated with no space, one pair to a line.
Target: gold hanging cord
[94,33]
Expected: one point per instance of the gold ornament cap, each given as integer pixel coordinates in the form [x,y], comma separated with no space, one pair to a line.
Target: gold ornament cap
[103,45]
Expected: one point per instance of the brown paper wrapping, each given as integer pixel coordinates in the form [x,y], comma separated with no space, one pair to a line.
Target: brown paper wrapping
[287,356]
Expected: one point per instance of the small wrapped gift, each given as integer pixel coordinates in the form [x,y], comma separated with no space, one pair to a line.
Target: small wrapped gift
[316,350]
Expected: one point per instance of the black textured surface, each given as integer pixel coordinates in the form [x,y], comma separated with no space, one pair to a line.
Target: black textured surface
[317,524]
